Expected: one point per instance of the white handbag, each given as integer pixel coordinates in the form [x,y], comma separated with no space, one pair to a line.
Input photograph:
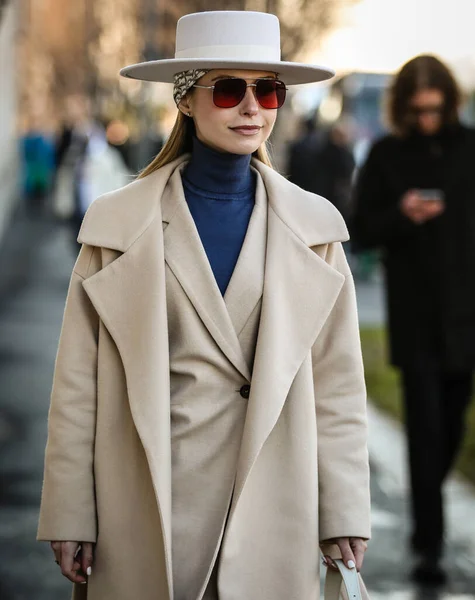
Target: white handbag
[344,584]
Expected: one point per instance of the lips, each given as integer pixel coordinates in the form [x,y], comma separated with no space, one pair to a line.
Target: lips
[247,129]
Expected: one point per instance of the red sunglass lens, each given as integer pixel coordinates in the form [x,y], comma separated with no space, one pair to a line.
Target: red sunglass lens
[228,93]
[270,93]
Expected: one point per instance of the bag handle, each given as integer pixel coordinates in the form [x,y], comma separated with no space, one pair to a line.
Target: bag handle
[350,579]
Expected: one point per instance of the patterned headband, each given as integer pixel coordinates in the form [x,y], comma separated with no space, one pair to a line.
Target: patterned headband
[184,81]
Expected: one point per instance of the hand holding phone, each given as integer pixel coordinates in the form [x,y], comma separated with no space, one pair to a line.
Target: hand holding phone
[421,205]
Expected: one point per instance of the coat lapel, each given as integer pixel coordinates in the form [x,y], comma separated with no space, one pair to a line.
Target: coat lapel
[187,258]
[300,290]
[245,288]
[128,296]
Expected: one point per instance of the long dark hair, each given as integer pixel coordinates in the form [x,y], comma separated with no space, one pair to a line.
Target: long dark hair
[422,72]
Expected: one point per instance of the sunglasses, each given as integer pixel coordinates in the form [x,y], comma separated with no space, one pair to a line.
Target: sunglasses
[434,110]
[228,93]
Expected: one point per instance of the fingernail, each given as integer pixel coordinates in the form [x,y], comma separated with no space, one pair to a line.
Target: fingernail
[351,564]
[89,571]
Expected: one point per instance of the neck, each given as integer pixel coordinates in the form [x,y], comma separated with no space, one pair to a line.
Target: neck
[218,172]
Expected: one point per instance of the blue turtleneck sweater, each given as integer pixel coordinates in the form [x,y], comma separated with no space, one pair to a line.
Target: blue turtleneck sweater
[220,190]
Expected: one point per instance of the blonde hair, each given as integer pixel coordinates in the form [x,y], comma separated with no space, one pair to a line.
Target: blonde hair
[180,142]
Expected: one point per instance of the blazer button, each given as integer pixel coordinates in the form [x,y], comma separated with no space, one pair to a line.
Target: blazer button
[245,391]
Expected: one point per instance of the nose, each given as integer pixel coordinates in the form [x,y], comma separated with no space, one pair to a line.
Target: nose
[249,105]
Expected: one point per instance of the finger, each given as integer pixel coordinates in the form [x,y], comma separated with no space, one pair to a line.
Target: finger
[437,209]
[68,562]
[346,552]
[56,548]
[414,199]
[77,565]
[77,560]
[430,207]
[87,557]
[412,195]
[77,568]
[330,563]
[419,216]
[359,548]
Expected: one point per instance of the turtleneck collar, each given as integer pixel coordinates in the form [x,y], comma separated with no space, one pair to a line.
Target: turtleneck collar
[218,173]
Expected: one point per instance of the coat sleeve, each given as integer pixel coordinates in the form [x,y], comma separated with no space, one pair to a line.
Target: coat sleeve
[376,217]
[340,396]
[68,501]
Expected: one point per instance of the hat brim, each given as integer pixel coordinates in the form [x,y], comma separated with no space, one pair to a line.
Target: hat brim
[164,70]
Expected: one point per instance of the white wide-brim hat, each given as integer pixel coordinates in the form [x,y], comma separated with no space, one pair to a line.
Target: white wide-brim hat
[244,40]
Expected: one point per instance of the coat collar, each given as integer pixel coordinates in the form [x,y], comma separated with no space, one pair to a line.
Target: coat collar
[117,219]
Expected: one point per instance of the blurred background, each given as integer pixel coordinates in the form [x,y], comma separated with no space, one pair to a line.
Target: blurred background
[66,116]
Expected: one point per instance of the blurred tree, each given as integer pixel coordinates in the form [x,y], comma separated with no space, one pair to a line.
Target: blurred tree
[79,47]
[3,4]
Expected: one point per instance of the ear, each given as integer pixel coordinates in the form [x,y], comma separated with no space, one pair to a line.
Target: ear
[185,106]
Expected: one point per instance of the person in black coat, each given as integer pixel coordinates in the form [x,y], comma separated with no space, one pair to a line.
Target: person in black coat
[415,200]
[321,162]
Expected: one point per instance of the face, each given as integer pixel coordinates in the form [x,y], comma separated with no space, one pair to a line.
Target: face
[238,130]
[426,110]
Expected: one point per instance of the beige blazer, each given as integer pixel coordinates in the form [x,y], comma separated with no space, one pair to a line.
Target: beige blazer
[302,471]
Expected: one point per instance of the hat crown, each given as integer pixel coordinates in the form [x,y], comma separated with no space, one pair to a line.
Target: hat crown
[238,35]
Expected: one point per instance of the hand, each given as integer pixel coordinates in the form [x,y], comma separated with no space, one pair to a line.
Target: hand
[419,210]
[352,552]
[75,559]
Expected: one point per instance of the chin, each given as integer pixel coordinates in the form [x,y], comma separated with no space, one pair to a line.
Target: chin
[243,147]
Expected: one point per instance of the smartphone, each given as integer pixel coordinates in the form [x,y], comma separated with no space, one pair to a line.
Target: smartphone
[431,194]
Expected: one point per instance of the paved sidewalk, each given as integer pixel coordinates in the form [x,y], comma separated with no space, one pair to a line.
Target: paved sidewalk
[35,262]
[36,259]
[388,561]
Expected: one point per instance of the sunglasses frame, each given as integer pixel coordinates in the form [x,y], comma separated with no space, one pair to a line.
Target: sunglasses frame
[254,85]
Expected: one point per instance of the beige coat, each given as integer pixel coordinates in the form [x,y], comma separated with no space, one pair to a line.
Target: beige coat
[302,468]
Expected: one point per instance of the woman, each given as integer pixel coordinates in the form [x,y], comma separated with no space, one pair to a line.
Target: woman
[415,200]
[209,365]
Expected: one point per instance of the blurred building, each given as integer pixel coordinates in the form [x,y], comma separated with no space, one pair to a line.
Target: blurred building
[9,164]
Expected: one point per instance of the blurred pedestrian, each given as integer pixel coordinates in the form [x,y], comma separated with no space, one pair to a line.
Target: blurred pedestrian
[209,365]
[415,200]
[38,165]
[88,166]
[118,136]
[70,153]
[103,170]
[321,162]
